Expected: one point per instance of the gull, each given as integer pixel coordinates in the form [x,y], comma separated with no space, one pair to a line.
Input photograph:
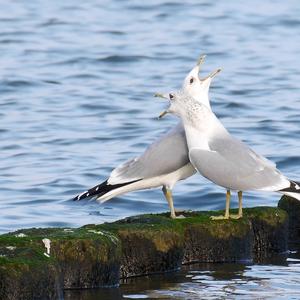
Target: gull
[163,163]
[223,159]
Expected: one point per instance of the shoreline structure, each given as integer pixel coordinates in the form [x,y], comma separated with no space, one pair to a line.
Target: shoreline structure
[42,262]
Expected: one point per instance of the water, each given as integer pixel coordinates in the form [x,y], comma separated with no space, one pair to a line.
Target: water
[207,282]
[76,95]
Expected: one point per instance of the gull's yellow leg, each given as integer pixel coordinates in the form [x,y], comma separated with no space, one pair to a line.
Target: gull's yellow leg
[168,194]
[226,216]
[240,212]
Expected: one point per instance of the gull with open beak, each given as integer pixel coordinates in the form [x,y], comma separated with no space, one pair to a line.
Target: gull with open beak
[223,159]
[195,87]
[163,163]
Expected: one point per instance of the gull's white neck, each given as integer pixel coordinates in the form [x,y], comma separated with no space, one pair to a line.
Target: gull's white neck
[200,127]
[204,100]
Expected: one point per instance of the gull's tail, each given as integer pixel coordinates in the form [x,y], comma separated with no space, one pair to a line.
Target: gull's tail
[100,190]
[293,190]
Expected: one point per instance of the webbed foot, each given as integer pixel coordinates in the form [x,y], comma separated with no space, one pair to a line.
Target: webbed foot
[236,217]
[178,217]
[219,217]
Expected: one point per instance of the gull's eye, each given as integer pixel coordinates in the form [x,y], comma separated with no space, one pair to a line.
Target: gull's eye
[191,80]
[171,96]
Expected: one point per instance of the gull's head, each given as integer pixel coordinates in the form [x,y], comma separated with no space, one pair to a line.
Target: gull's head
[195,86]
[180,103]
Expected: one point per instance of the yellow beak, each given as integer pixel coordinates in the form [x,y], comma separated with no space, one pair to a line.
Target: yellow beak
[162,114]
[212,74]
[201,60]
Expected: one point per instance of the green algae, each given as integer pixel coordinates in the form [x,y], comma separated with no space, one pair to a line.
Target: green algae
[271,215]
[79,258]
[27,246]
[149,223]
[99,255]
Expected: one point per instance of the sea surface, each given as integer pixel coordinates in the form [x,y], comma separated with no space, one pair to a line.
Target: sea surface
[77,80]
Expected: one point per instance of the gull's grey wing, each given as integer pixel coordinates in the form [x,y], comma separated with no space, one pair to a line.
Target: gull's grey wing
[232,149]
[233,165]
[165,155]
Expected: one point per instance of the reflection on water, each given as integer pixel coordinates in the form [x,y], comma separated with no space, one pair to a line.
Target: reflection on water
[279,280]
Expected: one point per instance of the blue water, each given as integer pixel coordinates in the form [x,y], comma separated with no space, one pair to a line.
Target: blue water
[76,92]
[207,282]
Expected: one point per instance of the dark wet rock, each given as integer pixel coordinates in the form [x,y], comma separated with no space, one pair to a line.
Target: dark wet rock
[270,232]
[261,233]
[218,241]
[25,273]
[24,280]
[79,258]
[292,207]
[144,253]
[99,255]
[87,263]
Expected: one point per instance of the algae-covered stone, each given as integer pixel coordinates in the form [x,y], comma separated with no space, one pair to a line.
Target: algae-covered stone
[150,244]
[78,258]
[262,232]
[39,263]
[207,240]
[25,272]
[88,258]
[270,231]
[292,207]
[27,280]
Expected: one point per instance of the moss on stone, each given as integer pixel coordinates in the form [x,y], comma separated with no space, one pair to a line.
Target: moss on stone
[79,258]
[98,255]
[271,215]
[27,244]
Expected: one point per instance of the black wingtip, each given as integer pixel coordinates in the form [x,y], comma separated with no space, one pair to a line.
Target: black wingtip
[293,188]
[94,191]
[101,189]
[81,196]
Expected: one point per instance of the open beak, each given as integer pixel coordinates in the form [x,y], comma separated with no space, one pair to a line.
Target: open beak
[201,60]
[163,113]
[159,95]
[212,74]
[195,71]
